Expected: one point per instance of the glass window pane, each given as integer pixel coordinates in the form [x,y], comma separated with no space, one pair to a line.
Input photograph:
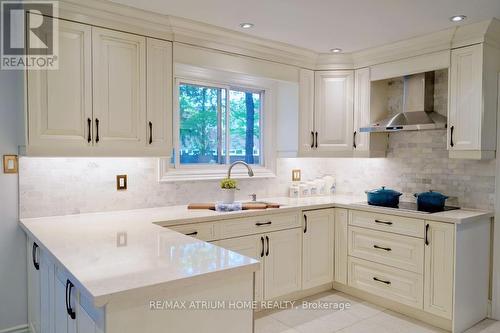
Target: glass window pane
[199,110]
[245,131]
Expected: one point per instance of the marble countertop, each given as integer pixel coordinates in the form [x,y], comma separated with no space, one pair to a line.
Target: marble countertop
[113,253]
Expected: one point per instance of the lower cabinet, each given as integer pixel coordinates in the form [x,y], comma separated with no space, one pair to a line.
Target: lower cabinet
[317,248]
[280,255]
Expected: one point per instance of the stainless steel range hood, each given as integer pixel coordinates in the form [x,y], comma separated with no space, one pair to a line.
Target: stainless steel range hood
[418,108]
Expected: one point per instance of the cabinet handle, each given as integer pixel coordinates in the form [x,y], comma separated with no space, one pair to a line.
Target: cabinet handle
[194,233]
[71,312]
[262,252]
[267,250]
[97,130]
[382,248]
[383,222]
[305,223]
[427,226]
[382,281]
[354,140]
[33,255]
[89,125]
[263,223]
[312,135]
[316,144]
[451,136]
[150,132]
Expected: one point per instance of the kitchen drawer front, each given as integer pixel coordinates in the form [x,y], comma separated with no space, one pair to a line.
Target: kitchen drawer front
[384,222]
[386,248]
[256,225]
[203,231]
[388,282]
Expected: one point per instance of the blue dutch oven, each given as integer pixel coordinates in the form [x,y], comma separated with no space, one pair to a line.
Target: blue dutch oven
[430,201]
[383,197]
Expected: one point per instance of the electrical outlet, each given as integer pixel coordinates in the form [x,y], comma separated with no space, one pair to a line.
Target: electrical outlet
[296,175]
[121,182]
[10,164]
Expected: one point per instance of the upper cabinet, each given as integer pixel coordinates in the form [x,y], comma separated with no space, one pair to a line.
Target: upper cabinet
[111,96]
[473,98]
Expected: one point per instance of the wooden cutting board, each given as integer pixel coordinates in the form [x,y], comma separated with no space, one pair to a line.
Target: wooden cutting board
[245,206]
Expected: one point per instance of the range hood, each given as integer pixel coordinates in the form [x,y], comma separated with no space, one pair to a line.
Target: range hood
[418,108]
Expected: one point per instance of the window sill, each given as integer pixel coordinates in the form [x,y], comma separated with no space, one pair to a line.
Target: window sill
[190,174]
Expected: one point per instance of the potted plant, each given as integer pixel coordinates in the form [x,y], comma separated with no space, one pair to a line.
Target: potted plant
[229,187]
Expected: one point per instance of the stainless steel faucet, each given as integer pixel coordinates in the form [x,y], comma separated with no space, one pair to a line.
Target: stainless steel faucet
[250,171]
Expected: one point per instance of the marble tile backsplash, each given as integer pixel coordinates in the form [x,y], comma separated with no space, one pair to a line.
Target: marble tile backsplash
[416,161]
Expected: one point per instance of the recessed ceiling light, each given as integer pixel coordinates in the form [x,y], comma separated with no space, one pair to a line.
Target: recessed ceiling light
[336,50]
[457,18]
[246,25]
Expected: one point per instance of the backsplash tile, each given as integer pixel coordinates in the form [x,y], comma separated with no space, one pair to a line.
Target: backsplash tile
[416,161]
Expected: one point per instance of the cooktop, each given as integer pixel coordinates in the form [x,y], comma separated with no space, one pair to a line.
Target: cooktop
[412,207]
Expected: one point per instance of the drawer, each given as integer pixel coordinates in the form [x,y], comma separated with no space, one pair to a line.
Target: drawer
[256,225]
[384,222]
[388,282]
[386,248]
[203,231]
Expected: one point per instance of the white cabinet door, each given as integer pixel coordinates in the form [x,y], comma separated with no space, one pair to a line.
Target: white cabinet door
[361,141]
[282,264]
[159,96]
[34,284]
[439,265]
[317,248]
[306,112]
[63,322]
[250,246]
[466,109]
[119,72]
[341,235]
[333,107]
[60,101]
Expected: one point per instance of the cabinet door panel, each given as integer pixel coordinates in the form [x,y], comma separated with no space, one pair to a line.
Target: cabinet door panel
[159,96]
[465,113]
[60,101]
[361,109]
[439,265]
[250,246]
[334,110]
[34,304]
[340,229]
[317,250]
[306,111]
[119,90]
[283,265]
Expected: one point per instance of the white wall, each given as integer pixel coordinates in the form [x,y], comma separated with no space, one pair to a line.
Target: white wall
[13,296]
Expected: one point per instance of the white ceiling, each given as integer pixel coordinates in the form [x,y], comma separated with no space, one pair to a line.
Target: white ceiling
[320,25]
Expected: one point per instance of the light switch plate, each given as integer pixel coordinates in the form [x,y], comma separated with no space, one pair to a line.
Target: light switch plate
[121,182]
[10,164]
[296,175]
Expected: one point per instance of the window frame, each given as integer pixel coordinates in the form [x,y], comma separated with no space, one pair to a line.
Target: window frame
[266,168]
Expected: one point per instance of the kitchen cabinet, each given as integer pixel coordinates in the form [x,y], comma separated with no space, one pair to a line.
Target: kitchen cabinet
[333,111]
[439,252]
[306,112]
[340,245]
[317,248]
[59,104]
[34,288]
[473,102]
[119,71]
[111,96]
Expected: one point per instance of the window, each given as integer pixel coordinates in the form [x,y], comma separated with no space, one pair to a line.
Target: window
[218,125]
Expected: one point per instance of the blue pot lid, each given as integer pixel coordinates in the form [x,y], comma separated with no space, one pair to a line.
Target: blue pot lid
[431,194]
[384,190]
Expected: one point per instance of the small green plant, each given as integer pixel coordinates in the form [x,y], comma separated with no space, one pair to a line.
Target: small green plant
[229,184]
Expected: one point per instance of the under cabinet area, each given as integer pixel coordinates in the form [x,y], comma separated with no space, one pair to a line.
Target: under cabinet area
[101,102]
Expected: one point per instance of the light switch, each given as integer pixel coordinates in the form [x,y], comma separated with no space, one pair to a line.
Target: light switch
[10,164]
[296,175]
[121,182]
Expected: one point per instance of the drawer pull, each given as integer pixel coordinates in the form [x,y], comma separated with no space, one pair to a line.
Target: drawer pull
[33,256]
[383,222]
[427,234]
[267,251]
[262,252]
[263,223]
[305,223]
[382,248]
[194,233]
[381,281]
